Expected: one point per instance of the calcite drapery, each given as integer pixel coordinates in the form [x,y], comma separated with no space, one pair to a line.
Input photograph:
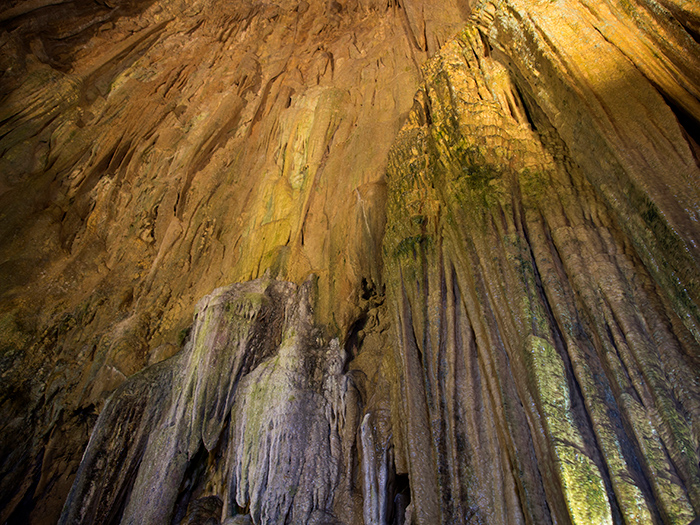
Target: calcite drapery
[259,391]
[531,286]
[537,360]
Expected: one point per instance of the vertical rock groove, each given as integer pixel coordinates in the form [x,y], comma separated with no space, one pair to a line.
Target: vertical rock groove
[443,260]
[590,337]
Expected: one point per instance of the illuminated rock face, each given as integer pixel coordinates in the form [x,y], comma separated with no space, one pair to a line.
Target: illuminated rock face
[503,322]
[544,364]
[258,390]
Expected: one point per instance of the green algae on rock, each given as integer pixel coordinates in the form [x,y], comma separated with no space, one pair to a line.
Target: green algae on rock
[531,286]
[532,214]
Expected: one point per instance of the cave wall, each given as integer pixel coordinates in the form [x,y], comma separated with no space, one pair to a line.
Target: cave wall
[153,151]
[536,341]
[498,203]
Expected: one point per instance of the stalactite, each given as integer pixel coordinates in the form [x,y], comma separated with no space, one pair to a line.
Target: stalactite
[480,304]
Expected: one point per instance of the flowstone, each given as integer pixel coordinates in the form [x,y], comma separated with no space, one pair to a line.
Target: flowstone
[253,411]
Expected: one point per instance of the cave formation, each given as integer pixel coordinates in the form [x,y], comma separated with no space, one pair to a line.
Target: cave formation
[352,261]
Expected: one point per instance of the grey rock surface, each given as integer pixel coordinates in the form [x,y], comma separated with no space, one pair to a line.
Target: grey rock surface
[256,385]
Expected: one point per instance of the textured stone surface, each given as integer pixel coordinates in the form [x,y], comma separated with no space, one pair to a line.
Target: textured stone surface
[529,293]
[153,151]
[257,395]
[532,213]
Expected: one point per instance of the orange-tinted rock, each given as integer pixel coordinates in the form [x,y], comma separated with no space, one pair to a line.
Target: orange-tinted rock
[540,344]
[152,151]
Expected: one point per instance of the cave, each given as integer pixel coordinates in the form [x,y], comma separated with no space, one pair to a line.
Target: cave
[270,262]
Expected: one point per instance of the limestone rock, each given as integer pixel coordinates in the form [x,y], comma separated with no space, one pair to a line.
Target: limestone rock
[531,214]
[546,360]
[152,151]
[254,413]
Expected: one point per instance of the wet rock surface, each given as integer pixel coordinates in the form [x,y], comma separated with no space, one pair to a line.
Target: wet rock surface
[530,215]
